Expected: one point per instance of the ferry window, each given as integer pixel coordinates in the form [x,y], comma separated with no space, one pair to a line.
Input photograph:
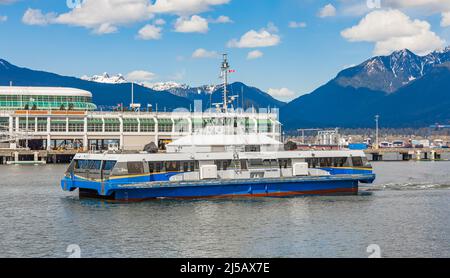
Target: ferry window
[255,163]
[185,167]
[312,162]
[151,167]
[227,164]
[366,162]
[173,166]
[252,148]
[270,163]
[357,161]
[244,165]
[135,168]
[325,161]
[95,164]
[284,163]
[159,167]
[339,161]
[109,165]
[88,164]
[81,164]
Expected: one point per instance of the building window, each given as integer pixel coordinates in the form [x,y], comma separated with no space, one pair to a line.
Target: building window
[181,125]
[76,127]
[95,128]
[4,124]
[147,128]
[165,128]
[165,125]
[130,127]
[112,127]
[147,124]
[58,127]
[41,127]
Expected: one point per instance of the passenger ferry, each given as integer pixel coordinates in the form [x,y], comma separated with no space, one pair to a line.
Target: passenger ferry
[218,162]
[249,171]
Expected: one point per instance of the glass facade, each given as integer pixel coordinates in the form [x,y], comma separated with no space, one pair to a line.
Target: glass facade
[130,125]
[60,124]
[45,102]
[147,125]
[4,124]
[95,125]
[112,125]
[165,125]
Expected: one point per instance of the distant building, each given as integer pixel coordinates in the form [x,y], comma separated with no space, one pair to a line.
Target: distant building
[44,118]
[45,98]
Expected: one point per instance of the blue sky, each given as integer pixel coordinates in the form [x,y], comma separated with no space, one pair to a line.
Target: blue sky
[287,48]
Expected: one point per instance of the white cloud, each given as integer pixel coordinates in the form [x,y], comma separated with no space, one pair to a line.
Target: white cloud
[445,19]
[423,7]
[160,21]
[140,76]
[203,53]
[104,16]
[428,5]
[295,25]
[327,11]
[150,32]
[265,37]
[281,93]
[185,7]
[255,54]
[105,28]
[194,24]
[3,18]
[392,30]
[221,19]
[36,17]
[179,75]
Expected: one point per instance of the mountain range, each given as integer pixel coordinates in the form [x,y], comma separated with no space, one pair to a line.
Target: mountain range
[209,94]
[405,89]
[109,91]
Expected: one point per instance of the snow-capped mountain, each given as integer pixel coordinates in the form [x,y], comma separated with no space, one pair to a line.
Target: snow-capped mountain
[389,73]
[167,86]
[106,78]
[175,88]
[182,90]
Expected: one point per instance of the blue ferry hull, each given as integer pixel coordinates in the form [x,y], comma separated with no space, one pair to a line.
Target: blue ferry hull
[301,186]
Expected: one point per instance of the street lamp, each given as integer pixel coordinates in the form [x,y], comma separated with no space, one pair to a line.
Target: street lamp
[377,118]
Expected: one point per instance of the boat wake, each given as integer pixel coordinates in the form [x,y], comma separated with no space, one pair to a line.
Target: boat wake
[409,186]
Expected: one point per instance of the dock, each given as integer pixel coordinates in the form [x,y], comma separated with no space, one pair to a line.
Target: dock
[408,154]
[30,157]
[25,157]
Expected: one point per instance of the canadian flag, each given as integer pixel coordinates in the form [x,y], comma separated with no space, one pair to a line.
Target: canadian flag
[231,71]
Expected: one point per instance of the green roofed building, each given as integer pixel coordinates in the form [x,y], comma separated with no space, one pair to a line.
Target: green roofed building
[53,118]
[45,98]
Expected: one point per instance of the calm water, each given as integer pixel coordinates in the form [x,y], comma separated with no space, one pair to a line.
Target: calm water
[407,213]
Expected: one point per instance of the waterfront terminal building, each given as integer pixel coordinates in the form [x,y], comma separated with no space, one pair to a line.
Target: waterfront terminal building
[59,119]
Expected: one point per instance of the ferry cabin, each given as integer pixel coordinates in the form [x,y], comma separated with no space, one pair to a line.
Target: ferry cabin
[99,174]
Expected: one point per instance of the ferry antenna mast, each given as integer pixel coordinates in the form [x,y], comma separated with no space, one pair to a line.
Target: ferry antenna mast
[225,68]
